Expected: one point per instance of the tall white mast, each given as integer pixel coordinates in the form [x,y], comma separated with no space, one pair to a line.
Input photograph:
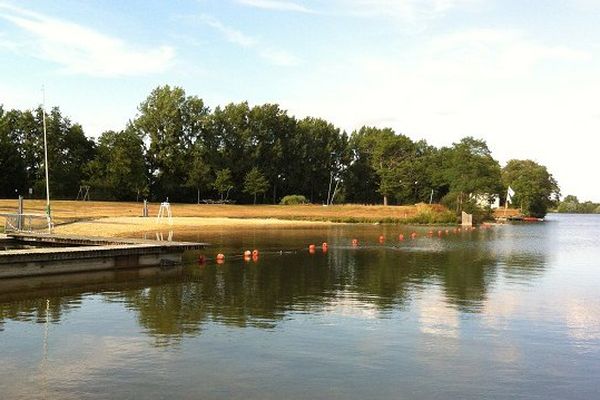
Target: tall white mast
[48,213]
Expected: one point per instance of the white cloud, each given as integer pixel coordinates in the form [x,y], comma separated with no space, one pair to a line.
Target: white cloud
[81,50]
[276,5]
[406,10]
[491,53]
[279,57]
[232,35]
[520,94]
[274,56]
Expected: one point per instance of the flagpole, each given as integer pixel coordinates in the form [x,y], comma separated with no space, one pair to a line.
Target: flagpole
[48,213]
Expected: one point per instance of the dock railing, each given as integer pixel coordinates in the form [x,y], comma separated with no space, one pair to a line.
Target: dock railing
[25,222]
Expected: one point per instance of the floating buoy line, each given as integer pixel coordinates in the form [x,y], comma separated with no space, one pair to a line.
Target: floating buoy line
[253,255]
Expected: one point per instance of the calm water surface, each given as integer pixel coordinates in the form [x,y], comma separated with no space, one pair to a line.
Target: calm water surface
[509,312]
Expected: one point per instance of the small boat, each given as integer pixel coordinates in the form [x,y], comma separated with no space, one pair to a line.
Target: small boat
[533,219]
[520,218]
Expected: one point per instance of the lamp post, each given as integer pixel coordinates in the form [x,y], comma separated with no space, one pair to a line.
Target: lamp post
[329,199]
[48,212]
[415,191]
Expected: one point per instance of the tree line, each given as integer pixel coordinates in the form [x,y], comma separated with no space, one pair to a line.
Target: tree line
[177,147]
[571,205]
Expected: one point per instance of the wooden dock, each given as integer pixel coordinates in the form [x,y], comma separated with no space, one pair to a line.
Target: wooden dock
[54,254]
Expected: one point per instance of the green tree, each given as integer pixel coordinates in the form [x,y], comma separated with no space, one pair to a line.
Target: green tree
[255,183]
[118,172]
[223,183]
[361,180]
[68,151]
[170,122]
[470,170]
[320,157]
[570,204]
[13,176]
[535,188]
[198,175]
[273,148]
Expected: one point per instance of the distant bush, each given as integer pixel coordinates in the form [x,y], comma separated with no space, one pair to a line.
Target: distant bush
[429,216]
[480,214]
[294,199]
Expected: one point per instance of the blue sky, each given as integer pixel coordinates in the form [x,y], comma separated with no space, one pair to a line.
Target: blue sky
[523,75]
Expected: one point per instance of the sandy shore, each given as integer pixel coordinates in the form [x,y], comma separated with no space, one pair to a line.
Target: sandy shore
[124,226]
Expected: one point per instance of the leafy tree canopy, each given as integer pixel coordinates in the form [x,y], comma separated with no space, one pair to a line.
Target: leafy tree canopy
[535,188]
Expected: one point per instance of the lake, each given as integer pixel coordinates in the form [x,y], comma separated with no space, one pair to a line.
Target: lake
[507,312]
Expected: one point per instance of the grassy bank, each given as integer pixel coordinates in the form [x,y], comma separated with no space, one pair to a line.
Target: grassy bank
[67,211]
[120,218]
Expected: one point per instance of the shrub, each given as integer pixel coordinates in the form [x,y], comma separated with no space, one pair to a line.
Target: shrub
[294,199]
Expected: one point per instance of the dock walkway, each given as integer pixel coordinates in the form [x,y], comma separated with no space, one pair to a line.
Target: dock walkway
[64,254]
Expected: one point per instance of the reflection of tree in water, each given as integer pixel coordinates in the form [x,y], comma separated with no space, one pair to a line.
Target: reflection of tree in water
[24,299]
[389,278]
[34,309]
[259,295]
[230,294]
[522,267]
[168,311]
[466,276]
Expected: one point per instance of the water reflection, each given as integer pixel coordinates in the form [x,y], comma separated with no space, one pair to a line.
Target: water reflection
[510,312]
[444,278]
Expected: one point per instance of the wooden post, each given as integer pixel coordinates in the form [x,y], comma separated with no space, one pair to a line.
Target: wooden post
[467,219]
[20,214]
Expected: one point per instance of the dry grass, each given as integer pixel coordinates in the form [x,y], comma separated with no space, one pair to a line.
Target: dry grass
[506,213]
[118,218]
[77,210]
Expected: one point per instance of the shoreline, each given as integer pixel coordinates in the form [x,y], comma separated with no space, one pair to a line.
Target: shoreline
[123,226]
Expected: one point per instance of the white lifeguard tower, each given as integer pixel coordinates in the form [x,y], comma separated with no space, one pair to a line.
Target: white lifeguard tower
[165,212]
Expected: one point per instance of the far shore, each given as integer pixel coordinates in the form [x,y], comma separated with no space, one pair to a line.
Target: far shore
[127,226]
[104,218]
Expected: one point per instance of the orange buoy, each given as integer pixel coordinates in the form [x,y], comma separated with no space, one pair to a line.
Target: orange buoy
[354,242]
[401,237]
[311,248]
[247,253]
[220,256]
[381,239]
[254,253]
